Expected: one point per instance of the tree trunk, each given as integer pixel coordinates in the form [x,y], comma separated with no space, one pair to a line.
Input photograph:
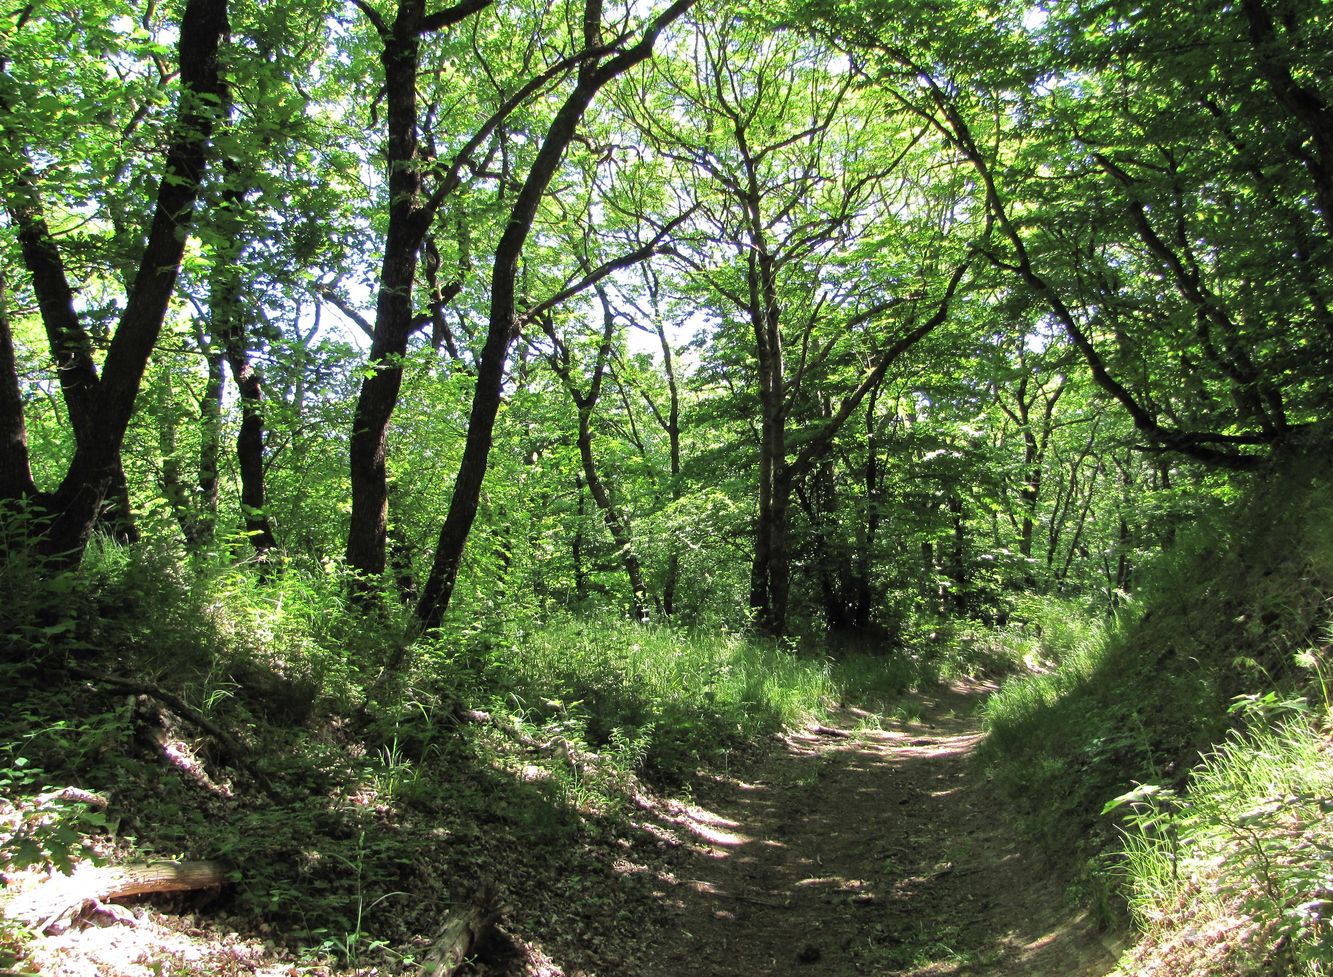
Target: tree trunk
[502,323]
[15,471]
[576,546]
[1303,103]
[228,327]
[868,530]
[464,929]
[96,464]
[367,534]
[958,575]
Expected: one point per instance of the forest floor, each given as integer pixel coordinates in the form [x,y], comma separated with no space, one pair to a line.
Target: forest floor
[869,845]
[882,852]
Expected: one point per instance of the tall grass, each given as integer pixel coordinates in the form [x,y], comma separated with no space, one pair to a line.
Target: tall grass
[687,697]
[1244,850]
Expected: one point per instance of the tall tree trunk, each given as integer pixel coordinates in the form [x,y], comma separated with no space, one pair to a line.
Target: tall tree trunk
[958,575]
[502,322]
[670,424]
[410,218]
[15,471]
[1303,103]
[368,533]
[195,507]
[71,347]
[96,464]
[228,327]
[585,402]
[770,572]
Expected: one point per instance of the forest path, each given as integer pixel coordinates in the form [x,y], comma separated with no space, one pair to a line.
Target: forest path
[885,852]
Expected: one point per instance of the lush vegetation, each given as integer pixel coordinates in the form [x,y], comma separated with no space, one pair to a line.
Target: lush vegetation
[398,397]
[1193,730]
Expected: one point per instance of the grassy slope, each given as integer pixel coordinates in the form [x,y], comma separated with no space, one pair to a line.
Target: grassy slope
[1239,607]
[351,823]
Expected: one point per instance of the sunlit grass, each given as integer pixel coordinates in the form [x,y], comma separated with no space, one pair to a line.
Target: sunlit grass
[1245,848]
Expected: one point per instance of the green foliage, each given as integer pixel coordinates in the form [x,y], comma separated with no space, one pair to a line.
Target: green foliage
[1234,605]
[665,699]
[43,827]
[1252,834]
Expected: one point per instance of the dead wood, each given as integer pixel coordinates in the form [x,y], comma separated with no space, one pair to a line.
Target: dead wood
[830,731]
[76,794]
[43,904]
[233,751]
[464,929]
[176,704]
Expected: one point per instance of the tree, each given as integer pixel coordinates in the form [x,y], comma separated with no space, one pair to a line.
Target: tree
[505,320]
[107,401]
[585,398]
[793,173]
[1134,195]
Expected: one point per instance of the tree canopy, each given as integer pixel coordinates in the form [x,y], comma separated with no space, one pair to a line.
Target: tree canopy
[895,306]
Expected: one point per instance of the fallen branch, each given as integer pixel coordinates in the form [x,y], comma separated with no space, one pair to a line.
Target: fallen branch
[43,904]
[232,750]
[75,794]
[177,705]
[831,731]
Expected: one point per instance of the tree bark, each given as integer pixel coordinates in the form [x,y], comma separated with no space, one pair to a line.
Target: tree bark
[410,217]
[15,470]
[96,464]
[463,930]
[616,523]
[368,533]
[502,322]
[46,902]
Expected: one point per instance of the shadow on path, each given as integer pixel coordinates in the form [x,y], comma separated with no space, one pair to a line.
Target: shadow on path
[881,852]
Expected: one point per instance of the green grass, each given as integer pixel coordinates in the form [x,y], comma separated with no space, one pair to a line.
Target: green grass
[1238,608]
[1249,838]
[683,698]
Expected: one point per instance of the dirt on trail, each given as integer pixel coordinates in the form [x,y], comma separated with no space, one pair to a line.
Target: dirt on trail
[877,851]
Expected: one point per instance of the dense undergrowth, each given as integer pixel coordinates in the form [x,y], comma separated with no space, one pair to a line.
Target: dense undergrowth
[1180,751]
[350,810]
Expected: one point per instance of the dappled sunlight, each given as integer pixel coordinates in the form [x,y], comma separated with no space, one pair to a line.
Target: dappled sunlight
[883,853]
[146,945]
[717,836]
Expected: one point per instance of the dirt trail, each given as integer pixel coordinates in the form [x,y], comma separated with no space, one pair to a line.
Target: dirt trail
[884,852]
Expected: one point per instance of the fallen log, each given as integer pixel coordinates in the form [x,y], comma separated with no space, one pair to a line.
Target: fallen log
[43,904]
[464,929]
[822,730]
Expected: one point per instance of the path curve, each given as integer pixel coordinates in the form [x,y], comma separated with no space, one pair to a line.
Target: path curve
[881,852]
